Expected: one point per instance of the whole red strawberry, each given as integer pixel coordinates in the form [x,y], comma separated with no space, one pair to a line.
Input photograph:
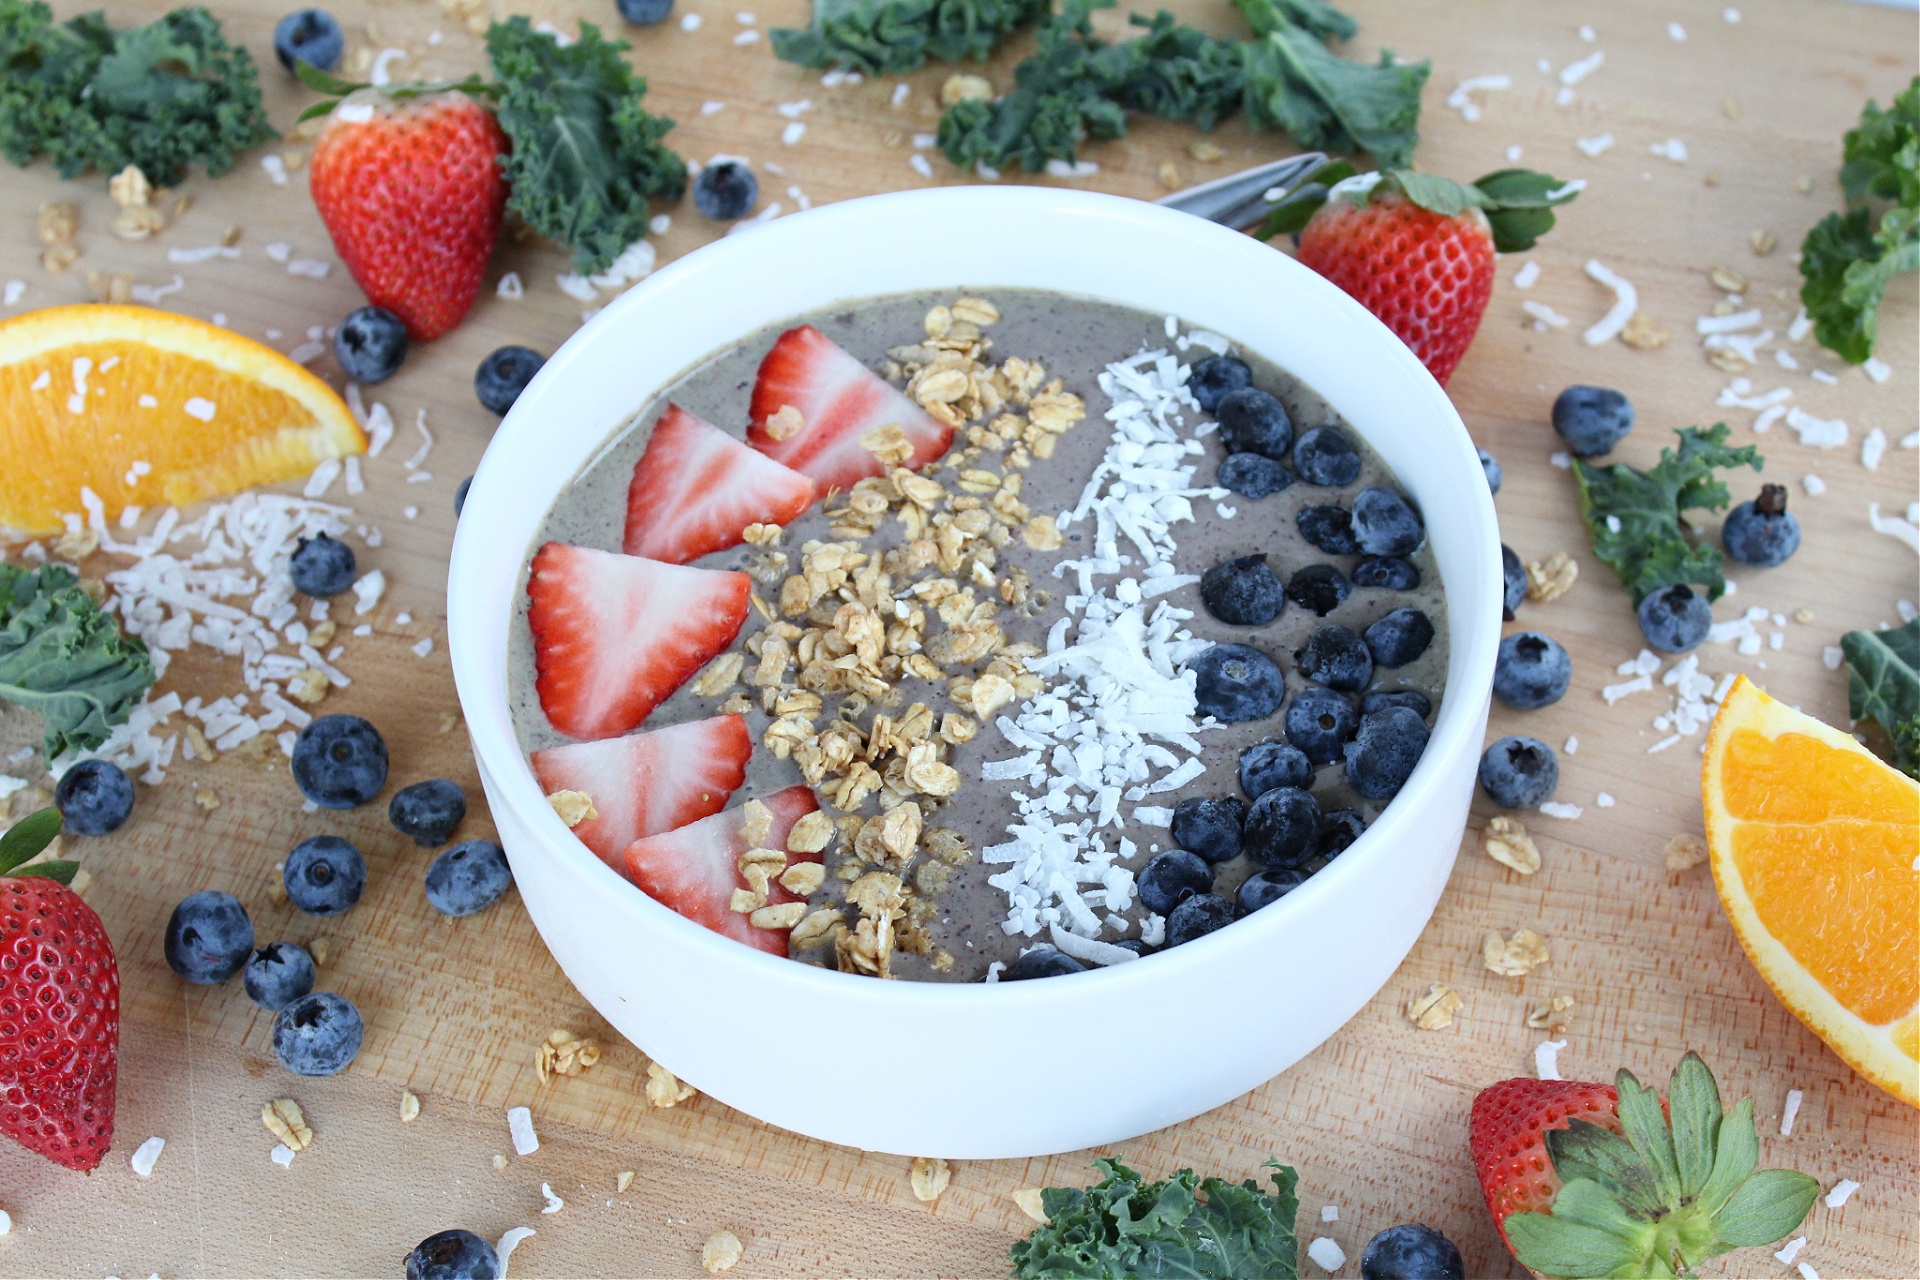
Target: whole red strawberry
[411,190]
[59,1007]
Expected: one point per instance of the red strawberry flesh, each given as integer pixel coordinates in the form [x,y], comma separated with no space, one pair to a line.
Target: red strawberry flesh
[651,782]
[1506,1132]
[696,869]
[696,489]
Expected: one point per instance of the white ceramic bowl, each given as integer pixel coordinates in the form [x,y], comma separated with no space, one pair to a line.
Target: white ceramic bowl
[975,1071]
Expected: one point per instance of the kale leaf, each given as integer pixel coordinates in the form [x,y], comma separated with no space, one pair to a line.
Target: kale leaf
[1063,94]
[1848,258]
[61,656]
[1883,688]
[1637,519]
[891,37]
[1326,102]
[1123,1226]
[164,96]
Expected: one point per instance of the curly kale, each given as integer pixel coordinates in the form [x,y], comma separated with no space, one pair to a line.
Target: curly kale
[1883,691]
[1326,102]
[163,97]
[61,656]
[891,37]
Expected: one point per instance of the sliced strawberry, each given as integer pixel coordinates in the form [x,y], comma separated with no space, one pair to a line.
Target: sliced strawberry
[696,869]
[696,489]
[647,783]
[840,400]
[613,635]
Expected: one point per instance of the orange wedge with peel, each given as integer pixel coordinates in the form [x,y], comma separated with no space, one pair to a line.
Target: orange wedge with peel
[1816,853]
[148,408]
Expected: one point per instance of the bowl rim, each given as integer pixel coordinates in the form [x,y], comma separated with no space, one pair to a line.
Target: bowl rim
[1458,726]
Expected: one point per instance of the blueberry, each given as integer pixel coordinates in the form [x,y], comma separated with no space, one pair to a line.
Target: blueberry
[1042,962]
[1252,476]
[1171,878]
[725,191]
[460,497]
[1213,379]
[340,761]
[1411,1252]
[1339,828]
[644,13]
[1283,828]
[1519,773]
[1266,888]
[1266,765]
[1319,587]
[1385,524]
[1514,582]
[370,344]
[503,375]
[1762,533]
[1210,827]
[1243,592]
[1337,657]
[1328,528]
[318,1034]
[1399,638]
[1252,421]
[1592,419]
[321,567]
[311,36]
[1388,572]
[324,875]
[1531,671]
[1325,456]
[95,797]
[467,878]
[1235,683]
[1675,619]
[208,938]
[428,811]
[1490,467]
[453,1255]
[277,975]
[1412,699]
[1198,916]
[1320,722]
[1384,751]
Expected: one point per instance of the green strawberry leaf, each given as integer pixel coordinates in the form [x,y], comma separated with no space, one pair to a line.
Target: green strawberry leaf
[1736,1156]
[1584,1150]
[27,837]
[1557,1246]
[1646,1128]
[1767,1207]
[59,870]
[1693,1102]
[1883,691]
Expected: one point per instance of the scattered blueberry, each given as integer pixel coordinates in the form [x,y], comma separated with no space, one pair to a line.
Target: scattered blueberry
[644,13]
[1320,722]
[1325,456]
[209,937]
[370,344]
[428,811]
[1266,765]
[1762,533]
[1209,826]
[460,497]
[1385,524]
[1384,751]
[1328,528]
[1266,888]
[1411,1252]
[1198,916]
[1042,962]
[1337,657]
[1319,587]
[311,36]
[467,878]
[277,975]
[1252,476]
[1531,671]
[1283,827]
[503,375]
[1490,466]
[725,191]
[1236,683]
[1170,878]
[1243,592]
[325,875]
[1519,773]
[454,1255]
[1592,419]
[1213,379]
[1412,699]
[1399,638]
[1339,828]
[321,567]
[318,1034]
[1253,421]
[95,797]
[1514,576]
[1389,572]
[340,761]
[1676,618]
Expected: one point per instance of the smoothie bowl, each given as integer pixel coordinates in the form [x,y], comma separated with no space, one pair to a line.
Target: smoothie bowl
[1028,644]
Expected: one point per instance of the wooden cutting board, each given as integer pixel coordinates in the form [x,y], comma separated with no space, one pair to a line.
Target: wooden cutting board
[1375,1120]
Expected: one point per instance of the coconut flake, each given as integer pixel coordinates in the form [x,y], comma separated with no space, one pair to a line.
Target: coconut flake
[512,1238]
[1597,145]
[1546,1059]
[1626,300]
[1792,1250]
[1544,316]
[1528,273]
[1326,1254]
[520,1126]
[1873,448]
[1893,526]
[145,1154]
[1469,109]
[1559,809]
[554,1203]
[1820,433]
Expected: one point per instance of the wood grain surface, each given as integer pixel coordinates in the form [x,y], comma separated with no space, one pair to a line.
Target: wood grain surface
[1375,1120]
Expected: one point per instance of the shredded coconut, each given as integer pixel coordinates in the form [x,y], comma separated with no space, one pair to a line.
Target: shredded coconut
[282,1155]
[1574,72]
[1544,316]
[513,1237]
[145,1154]
[554,1203]
[1792,1250]
[1596,145]
[1873,448]
[1560,809]
[1546,1059]
[1626,300]
[1078,169]
[1802,326]
[1813,484]
[1808,1273]
[1820,433]
[1528,273]
[1893,526]
[1469,109]
[1672,149]
[520,1125]
[1326,1254]
[1842,1192]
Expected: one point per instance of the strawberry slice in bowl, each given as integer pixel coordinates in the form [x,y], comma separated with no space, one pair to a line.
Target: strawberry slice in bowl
[840,403]
[696,489]
[651,782]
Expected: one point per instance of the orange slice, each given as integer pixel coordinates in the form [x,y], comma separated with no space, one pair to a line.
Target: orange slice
[1816,853]
[149,408]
